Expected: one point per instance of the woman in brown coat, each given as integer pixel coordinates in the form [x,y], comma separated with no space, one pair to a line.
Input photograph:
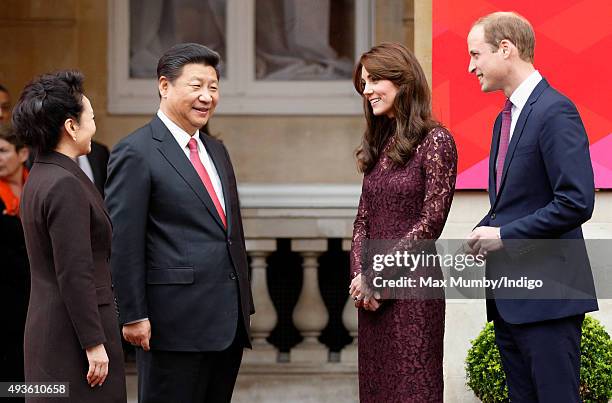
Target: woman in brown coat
[71,331]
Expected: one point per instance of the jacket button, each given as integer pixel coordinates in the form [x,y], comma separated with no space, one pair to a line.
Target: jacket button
[493,216]
[232,276]
[229,241]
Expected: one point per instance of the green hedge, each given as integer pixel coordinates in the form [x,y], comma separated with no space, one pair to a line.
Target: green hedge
[485,375]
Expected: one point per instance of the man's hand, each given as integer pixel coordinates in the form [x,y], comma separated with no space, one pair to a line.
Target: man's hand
[484,240]
[138,334]
[98,365]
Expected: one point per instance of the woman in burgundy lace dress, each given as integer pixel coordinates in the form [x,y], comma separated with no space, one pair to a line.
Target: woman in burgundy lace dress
[409,163]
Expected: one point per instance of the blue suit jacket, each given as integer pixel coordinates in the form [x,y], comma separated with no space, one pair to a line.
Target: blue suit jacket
[547,191]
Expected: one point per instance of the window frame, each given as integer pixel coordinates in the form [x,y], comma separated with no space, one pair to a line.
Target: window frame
[241,93]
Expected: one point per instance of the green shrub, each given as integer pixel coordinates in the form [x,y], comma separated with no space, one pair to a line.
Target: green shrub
[485,375]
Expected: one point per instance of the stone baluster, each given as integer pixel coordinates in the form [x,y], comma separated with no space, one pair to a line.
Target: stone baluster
[265,318]
[349,320]
[310,315]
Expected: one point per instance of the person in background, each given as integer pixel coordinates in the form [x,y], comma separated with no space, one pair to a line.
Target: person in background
[5,105]
[15,270]
[409,162]
[72,332]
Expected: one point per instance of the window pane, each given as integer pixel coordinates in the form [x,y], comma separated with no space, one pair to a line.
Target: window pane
[305,40]
[156,25]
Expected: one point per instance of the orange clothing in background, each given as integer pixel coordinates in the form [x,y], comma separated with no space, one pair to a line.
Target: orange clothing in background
[8,197]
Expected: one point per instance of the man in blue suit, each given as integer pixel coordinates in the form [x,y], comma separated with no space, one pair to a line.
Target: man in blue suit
[541,188]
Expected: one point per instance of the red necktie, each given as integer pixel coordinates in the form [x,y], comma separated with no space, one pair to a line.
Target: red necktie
[194,156]
[504,140]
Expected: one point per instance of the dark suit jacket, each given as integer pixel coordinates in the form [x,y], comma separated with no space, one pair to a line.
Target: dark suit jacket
[172,260]
[547,191]
[98,159]
[68,238]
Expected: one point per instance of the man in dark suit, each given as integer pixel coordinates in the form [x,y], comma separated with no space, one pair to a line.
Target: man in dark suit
[540,187]
[179,261]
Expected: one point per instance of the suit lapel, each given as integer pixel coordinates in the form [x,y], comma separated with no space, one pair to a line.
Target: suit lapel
[172,152]
[520,125]
[516,136]
[217,155]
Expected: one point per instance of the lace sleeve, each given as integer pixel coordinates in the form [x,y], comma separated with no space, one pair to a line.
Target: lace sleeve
[360,233]
[440,170]
[440,167]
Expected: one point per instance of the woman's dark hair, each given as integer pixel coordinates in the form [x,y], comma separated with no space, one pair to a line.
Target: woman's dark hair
[7,133]
[43,107]
[171,63]
[411,107]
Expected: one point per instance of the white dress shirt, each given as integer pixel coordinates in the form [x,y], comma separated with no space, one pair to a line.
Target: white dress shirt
[520,96]
[182,138]
[84,164]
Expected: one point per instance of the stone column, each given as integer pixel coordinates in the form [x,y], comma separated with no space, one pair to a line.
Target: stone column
[423,34]
[310,315]
[265,318]
[349,320]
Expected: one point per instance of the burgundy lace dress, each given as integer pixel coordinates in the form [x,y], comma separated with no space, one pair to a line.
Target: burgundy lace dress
[401,344]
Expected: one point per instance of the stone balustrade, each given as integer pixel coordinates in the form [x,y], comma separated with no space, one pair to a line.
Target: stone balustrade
[306,218]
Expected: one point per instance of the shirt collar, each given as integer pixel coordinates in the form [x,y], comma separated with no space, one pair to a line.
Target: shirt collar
[181,136]
[520,96]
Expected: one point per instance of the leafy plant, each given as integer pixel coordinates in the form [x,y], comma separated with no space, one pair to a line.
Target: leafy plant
[486,377]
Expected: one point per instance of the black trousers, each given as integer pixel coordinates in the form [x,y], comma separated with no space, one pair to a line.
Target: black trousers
[189,377]
[541,360]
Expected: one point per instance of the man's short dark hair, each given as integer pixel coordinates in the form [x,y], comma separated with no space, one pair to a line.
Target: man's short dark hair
[171,63]
[44,105]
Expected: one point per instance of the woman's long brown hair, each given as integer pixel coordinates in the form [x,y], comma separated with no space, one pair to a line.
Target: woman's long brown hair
[411,107]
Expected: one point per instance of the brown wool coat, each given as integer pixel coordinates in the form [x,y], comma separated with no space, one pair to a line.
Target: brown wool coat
[68,238]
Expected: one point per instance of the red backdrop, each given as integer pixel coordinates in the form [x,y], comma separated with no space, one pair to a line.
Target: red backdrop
[573,52]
